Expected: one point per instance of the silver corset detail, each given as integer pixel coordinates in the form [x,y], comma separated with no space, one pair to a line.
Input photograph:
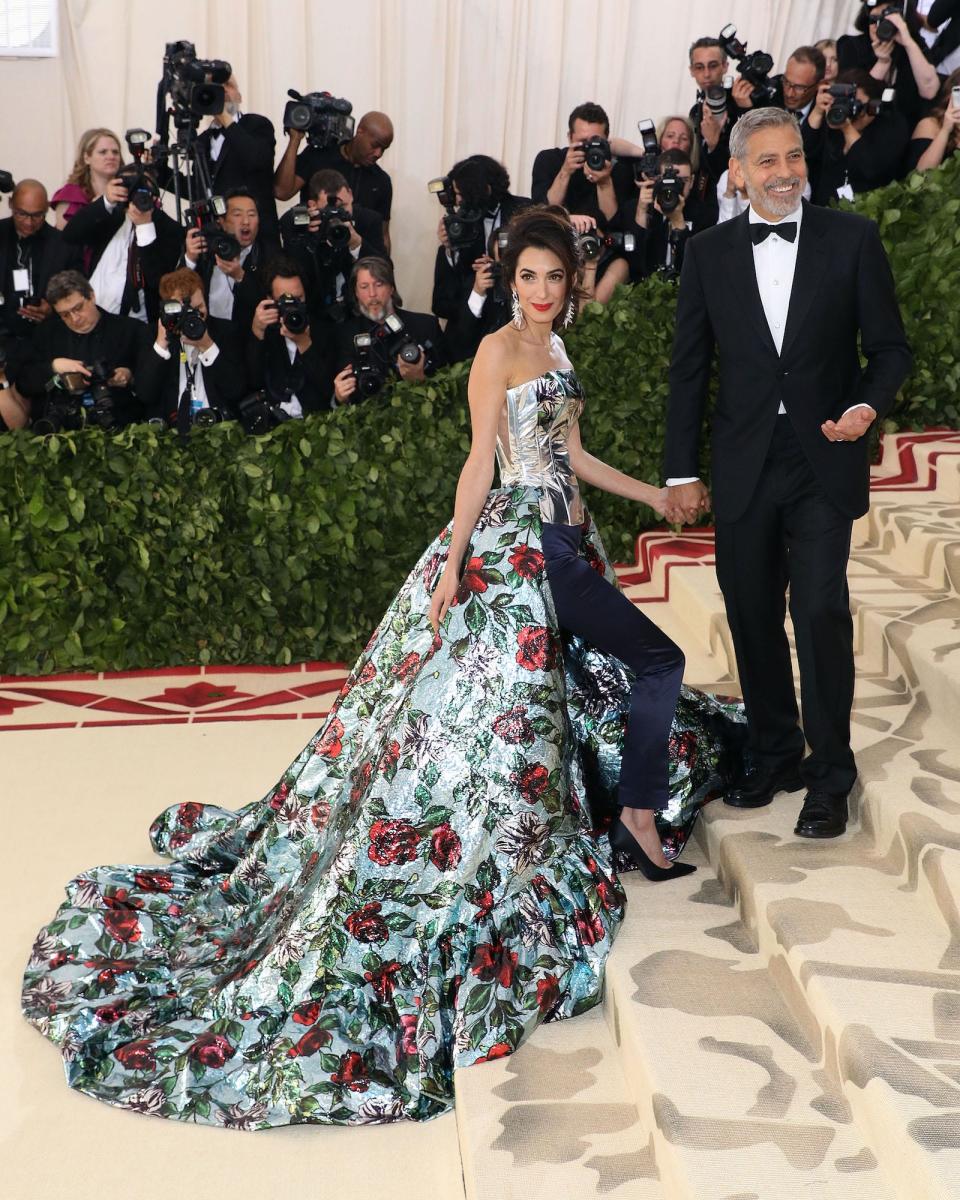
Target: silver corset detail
[532,442]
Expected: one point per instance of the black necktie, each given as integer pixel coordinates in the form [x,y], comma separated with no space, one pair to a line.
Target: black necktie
[786,230]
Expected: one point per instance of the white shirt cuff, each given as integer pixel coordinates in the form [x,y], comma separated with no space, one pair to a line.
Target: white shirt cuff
[146,234]
[862,404]
[209,356]
[161,350]
[475,303]
[686,479]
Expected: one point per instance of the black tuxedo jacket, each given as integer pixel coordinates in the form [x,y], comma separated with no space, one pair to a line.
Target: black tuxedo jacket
[309,377]
[48,254]
[158,378]
[452,283]
[245,160]
[94,226]
[320,278]
[422,327]
[842,289]
[249,291]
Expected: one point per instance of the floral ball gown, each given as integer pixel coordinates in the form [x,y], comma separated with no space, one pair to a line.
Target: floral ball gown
[424,885]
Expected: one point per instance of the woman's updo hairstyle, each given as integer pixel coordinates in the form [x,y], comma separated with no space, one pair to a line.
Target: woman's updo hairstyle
[545,227]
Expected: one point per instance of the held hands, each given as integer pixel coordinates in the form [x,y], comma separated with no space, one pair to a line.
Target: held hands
[851,426]
[444,597]
[685,502]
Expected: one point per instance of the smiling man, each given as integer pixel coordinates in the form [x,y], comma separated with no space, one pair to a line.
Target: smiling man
[783,292]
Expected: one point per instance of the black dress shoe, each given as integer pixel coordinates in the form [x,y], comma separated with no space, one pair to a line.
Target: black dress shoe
[623,840]
[758,787]
[824,815]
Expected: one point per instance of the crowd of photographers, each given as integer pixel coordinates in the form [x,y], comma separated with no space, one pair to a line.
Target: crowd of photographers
[114,312]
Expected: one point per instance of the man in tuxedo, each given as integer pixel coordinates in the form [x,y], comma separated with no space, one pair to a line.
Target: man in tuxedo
[783,292]
[179,377]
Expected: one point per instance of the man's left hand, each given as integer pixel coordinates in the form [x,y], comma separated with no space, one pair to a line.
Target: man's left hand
[231,267]
[412,371]
[851,426]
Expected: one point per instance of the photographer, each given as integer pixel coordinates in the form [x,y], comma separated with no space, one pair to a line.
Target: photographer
[31,251]
[563,176]
[180,375]
[486,307]
[709,66]
[131,243]
[937,136]
[666,214]
[339,232]
[483,204]
[887,47]
[796,89]
[288,356]
[233,283]
[373,296]
[940,21]
[358,160]
[861,153]
[63,359]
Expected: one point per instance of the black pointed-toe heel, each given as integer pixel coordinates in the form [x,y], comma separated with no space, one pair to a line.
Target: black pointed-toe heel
[623,840]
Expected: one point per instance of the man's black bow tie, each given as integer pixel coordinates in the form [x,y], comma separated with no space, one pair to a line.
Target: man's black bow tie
[786,230]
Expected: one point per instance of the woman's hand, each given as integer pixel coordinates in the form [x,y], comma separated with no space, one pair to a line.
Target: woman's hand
[658,501]
[444,597]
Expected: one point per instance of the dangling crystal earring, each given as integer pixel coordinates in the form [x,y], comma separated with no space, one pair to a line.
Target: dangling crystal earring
[569,314]
[518,318]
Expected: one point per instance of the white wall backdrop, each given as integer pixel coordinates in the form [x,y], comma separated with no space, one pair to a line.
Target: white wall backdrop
[457,76]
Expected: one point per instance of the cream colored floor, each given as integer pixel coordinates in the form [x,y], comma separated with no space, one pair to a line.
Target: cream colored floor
[74,798]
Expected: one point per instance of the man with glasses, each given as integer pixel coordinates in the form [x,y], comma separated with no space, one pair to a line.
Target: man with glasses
[796,87]
[31,251]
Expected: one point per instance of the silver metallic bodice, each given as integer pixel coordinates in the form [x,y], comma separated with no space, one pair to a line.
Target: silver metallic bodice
[532,442]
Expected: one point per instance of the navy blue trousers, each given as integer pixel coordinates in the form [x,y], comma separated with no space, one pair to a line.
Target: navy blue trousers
[589,606]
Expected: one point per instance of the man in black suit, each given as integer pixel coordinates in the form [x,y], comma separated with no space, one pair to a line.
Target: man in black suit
[239,149]
[480,184]
[325,261]
[133,243]
[783,292]
[31,251]
[661,236]
[372,292]
[179,377]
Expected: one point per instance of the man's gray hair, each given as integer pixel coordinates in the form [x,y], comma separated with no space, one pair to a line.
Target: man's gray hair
[750,122]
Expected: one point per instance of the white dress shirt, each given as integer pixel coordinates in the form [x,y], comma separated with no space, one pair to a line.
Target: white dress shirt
[109,278]
[198,360]
[292,407]
[220,302]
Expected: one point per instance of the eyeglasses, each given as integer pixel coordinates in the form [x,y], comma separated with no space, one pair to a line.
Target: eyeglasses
[65,313]
[23,215]
[797,87]
[707,66]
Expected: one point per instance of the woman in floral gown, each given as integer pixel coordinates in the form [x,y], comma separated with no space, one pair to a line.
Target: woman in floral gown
[425,884]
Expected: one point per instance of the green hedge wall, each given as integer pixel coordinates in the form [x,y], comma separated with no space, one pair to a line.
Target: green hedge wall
[129,550]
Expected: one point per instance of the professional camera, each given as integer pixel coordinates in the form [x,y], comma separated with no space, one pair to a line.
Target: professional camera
[293,313]
[205,216]
[464,222]
[78,400]
[181,320]
[332,233]
[142,189]
[847,105]
[6,182]
[203,418]
[257,414]
[63,413]
[369,370]
[195,84]
[645,167]
[324,118]
[755,67]
[597,152]
[879,16]
[300,217]
[668,191]
[593,243]
[715,97]
[375,354]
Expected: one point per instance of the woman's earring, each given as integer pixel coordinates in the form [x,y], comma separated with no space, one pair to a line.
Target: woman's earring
[569,314]
[518,318]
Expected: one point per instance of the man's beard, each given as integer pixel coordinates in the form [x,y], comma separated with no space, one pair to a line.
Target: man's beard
[378,313]
[782,204]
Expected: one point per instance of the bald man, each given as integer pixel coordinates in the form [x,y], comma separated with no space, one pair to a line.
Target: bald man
[357,160]
[31,251]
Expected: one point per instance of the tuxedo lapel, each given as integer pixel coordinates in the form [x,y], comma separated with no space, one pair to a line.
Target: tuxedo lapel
[742,277]
[811,266]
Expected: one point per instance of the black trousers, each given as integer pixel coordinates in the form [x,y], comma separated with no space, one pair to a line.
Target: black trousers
[792,535]
[589,606]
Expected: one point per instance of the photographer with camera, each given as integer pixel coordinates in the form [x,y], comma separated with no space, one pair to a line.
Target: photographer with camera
[940,30]
[327,236]
[31,251]
[230,260]
[715,110]
[131,242]
[585,177]
[666,214]
[356,157]
[193,372]
[853,143]
[289,356]
[477,201]
[398,342]
[937,136]
[889,47]
[80,366]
